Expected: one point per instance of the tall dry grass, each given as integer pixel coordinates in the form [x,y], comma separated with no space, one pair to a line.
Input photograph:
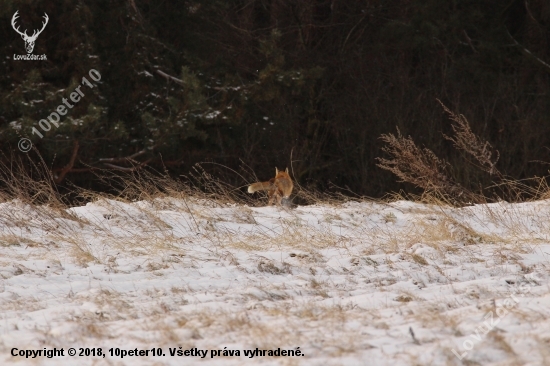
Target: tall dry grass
[422,168]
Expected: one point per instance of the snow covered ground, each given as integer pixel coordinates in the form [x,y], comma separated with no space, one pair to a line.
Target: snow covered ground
[352,284]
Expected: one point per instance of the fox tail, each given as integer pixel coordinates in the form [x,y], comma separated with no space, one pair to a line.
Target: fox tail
[260,186]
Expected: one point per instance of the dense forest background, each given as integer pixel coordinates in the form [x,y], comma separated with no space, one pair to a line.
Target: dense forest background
[256,83]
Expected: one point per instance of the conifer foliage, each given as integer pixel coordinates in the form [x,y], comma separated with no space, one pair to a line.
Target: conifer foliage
[258,82]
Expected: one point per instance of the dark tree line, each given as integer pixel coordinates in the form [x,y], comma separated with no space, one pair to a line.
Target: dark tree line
[257,82]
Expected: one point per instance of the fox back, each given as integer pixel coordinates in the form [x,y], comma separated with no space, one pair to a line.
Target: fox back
[277,188]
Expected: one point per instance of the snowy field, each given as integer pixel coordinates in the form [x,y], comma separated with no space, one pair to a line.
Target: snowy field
[360,283]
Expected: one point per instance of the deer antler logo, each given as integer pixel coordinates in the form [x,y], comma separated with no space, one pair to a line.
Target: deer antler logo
[29,40]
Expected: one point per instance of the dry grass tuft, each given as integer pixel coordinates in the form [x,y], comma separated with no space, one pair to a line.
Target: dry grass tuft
[464,139]
[171,255]
[422,168]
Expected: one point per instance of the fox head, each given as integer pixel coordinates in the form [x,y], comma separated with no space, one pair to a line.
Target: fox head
[277,171]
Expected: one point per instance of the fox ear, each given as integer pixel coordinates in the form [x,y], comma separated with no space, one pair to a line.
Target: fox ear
[276,171]
[286,170]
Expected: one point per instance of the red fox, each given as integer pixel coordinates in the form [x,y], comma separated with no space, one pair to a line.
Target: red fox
[277,188]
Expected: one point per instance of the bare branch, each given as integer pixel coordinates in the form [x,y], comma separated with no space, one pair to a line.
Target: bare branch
[530,55]
[59,178]
[125,169]
[170,77]
[119,160]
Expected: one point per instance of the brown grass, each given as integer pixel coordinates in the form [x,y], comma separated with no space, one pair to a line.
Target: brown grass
[422,168]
